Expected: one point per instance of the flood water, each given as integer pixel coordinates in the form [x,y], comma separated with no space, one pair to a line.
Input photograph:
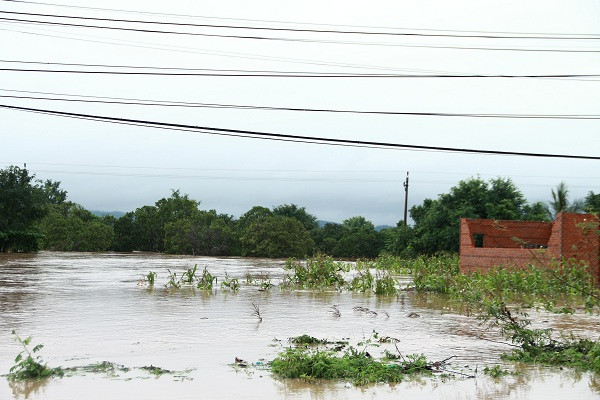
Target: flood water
[87,308]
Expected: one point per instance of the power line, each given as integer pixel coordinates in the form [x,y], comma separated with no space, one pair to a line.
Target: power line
[299,30]
[265,73]
[265,178]
[289,137]
[250,56]
[139,30]
[138,12]
[162,103]
[191,50]
[289,75]
[344,171]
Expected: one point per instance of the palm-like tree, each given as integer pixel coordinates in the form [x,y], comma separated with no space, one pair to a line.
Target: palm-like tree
[560,202]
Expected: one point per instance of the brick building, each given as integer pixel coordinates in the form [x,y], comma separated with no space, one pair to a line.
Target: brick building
[486,243]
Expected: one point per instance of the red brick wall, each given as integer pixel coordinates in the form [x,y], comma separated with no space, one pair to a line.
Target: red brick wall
[564,238]
[579,239]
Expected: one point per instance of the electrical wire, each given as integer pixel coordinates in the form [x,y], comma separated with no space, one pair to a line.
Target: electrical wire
[156,31]
[267,73]
[162,103]
[297,30]
[290,137]
[309,171]
[138,12]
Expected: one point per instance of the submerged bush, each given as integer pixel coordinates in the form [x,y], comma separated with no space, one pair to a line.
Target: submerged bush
[357,366]
[29,366]
[319,272]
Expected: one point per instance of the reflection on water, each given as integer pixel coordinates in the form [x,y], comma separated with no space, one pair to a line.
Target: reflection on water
[87,308]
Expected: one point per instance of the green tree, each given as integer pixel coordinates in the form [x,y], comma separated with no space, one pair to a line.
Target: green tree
[592,203]
[22,204]
[293,211]
[437,221]
[276,236]
[327,237]
[560,202]
[359,239]
[70,227]
[398,241]
[204,233]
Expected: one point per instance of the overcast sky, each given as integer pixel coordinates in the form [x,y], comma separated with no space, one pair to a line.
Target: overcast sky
[120,167]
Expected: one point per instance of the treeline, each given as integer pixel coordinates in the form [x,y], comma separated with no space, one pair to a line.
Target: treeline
[37,215]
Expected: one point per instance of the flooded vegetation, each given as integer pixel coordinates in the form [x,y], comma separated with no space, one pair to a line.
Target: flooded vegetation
[109,323]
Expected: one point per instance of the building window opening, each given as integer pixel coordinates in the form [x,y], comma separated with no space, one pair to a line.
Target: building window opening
[478,239]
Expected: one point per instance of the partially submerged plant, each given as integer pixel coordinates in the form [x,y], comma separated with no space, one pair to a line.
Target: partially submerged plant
[173,282]
[265,285]
[189,276]
[256,312]
[29,366]
[496,371]
[150,278]
[230,283]
[358,366]
[335,311]
[319,272]
[307,340]
[207,280]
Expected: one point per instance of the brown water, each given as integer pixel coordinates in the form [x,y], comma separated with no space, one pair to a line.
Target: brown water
[87,308]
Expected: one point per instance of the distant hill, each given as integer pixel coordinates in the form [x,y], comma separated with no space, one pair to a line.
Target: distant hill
[116,214]
[323,223]
[379,228]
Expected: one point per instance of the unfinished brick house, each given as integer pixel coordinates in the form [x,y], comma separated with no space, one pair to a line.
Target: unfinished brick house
[486,243]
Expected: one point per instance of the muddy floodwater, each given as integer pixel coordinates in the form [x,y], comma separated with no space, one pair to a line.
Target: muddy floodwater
[87,308]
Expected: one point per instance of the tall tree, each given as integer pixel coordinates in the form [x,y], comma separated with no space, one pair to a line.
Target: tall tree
[22,204]
[592,203]
[560,202]
[437,221]
[293,211]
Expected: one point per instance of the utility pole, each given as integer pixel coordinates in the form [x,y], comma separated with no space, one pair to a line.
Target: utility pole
[405,184]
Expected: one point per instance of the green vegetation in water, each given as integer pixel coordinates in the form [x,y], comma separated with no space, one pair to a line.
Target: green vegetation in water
[581,354]
[105,367]
[29,366]
[569,283]
[230,283]
[319,272]
[265,285]
[496,371]
[382,283]
[307,340]
[150,278]
[173,282]
[157,371]
[356,366]
[189,276]
[537,345]
[207,280]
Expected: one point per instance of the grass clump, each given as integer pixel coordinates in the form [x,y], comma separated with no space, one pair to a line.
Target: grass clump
[320,272]
[29,366]
[356,366]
